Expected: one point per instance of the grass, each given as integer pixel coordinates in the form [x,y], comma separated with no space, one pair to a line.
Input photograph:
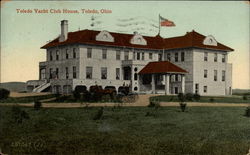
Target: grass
[27,99]
[127,130]
[216,99]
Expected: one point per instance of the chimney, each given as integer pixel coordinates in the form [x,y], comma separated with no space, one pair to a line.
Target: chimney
[64,31]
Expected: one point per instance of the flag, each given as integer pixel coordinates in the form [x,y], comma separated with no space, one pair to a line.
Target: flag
[165,22]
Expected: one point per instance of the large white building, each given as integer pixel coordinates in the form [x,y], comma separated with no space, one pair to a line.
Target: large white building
[192,63]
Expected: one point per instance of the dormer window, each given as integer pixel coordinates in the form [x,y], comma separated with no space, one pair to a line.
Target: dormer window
[138,39]
[104,36]
[210,40]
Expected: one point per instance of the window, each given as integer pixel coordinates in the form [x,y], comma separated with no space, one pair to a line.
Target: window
[43,74]
[150,56]
[89,72]
[104,53]
[182,56]
[134,55]
[104,73]
[135,69]
[126,56]
[223,58]
[50,56]
[215,75]
[215,57]
[57,71]
[135,76]
[89,52]
[205,89]
[74,52]
[118,54]
[117,73]
[142,55]
[138,55]
[67,72]
[67,53]
[176,77]
[196,88]
[169,57]
[50,73]
[205,73]
[57,55]
[74,72]
[176,57]
[159,57]
[205,56]
[223,75]
[135,88]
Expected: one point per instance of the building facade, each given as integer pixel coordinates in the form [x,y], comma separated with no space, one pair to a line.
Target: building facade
[192,63]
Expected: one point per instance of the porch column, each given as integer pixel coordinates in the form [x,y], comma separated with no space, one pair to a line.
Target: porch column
[153,83]
[167,84]
[183,83]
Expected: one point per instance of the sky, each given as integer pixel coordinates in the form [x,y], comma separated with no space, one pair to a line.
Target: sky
[22,34]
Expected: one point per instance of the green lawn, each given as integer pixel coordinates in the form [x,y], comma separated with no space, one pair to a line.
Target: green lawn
[28,99]
[126,130]
[215,99]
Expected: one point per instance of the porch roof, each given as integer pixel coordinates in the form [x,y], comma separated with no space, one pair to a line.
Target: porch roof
[158,67]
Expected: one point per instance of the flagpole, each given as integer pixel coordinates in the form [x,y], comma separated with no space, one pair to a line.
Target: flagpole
[159,24]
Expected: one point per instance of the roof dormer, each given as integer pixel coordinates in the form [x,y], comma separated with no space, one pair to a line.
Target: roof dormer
[104,36]
[210,40]
[138,39]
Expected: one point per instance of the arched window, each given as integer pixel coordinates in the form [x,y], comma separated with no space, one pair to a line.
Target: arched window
[135,88]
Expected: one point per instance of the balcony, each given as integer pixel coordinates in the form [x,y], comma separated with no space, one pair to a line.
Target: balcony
[134,62]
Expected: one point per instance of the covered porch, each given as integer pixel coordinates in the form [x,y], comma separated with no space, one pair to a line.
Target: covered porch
[162,77]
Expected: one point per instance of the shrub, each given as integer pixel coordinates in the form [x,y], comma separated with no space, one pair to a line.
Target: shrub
[18,115]
[171,98]
[37,105]
[244,97]
[99,114]
[76,95]
[181,97]
[4,93]
[154,104]
[196,97]
[63,98]
[211,99]
[183,106]
[247,113]
[189,96]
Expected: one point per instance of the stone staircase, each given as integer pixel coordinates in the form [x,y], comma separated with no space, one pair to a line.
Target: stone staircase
[41,87]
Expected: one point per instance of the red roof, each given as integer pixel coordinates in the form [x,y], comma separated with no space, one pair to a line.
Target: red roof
[191,39]
[121,40]
[161,67]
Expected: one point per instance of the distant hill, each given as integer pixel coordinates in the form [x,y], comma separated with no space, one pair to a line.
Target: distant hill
[241,91]
[14,86]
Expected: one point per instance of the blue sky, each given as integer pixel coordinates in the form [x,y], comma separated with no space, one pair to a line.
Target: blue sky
[22,35]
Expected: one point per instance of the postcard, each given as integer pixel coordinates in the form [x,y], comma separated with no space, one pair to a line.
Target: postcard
[125,77]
